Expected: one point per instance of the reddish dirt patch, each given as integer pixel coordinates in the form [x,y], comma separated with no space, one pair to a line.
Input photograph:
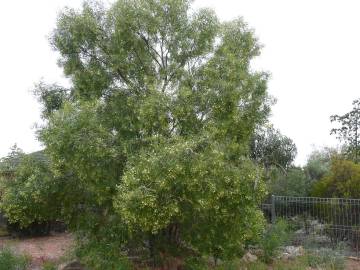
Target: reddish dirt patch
[352,264]
[41,249]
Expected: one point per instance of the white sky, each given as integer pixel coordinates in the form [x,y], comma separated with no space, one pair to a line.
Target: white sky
[311,48]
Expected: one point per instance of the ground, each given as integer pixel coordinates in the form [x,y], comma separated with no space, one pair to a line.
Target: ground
[352,264]
[54,248]
[41,249]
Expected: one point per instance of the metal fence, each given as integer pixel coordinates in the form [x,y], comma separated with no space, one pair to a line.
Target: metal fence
[320,222]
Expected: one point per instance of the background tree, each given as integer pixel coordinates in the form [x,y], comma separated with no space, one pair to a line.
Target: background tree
[9,163]
[319,163]
[272,149]
[343,181]
[294,183]
[348,132]
[159,116]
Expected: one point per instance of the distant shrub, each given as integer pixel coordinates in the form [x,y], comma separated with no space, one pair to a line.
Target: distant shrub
[294,183]
[10,261]
[343,181]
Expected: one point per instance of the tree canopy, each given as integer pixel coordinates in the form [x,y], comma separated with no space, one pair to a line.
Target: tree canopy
[153,134]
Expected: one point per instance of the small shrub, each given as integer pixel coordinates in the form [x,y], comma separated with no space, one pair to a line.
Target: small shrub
[274,237]
[10,261]
[49,266]
[33,229]
[326,259]
[101,255]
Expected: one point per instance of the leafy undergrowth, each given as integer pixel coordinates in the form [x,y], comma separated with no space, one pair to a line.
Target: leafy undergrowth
[11,261]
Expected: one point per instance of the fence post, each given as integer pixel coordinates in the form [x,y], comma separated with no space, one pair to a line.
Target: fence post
[273,214]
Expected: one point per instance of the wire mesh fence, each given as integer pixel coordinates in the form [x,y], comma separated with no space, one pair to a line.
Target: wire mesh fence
[320,222]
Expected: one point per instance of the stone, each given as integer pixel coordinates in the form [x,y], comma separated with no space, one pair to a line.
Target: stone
[248,257]
[291,252]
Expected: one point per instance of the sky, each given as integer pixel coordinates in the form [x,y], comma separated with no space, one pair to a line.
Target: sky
[311,49]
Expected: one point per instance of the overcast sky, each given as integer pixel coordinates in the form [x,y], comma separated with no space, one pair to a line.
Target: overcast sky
[311,48]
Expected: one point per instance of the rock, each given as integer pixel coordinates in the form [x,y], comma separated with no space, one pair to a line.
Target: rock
[74,266]
[291,252]
[248,257]
[300,231]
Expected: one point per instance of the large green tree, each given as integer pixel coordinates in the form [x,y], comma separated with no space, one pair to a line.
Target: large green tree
[153,135]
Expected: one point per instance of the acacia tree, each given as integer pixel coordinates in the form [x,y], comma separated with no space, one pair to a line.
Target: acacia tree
[152,136]
[349,129]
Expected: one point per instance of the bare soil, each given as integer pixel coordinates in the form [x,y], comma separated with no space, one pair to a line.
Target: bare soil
[352,264]
[41,249]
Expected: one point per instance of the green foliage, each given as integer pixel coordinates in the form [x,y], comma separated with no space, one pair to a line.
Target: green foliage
[294,183]
[51,96]
[272,149]
[9,163]
[101,255]
[150,144]
[195,263]
[343,181]
[274,237]
[348,131]
[49,266]
[28,196]
[191,187]
[319,163]
[10,261]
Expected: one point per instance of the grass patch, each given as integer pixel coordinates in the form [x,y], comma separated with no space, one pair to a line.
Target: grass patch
[11,261]
[274,237]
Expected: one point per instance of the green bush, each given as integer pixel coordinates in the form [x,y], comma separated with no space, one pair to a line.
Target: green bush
[192,191]
[343,181]
[28,198]
[101,254]
[294,183]
[274,237]
[49,266]
[10,261]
